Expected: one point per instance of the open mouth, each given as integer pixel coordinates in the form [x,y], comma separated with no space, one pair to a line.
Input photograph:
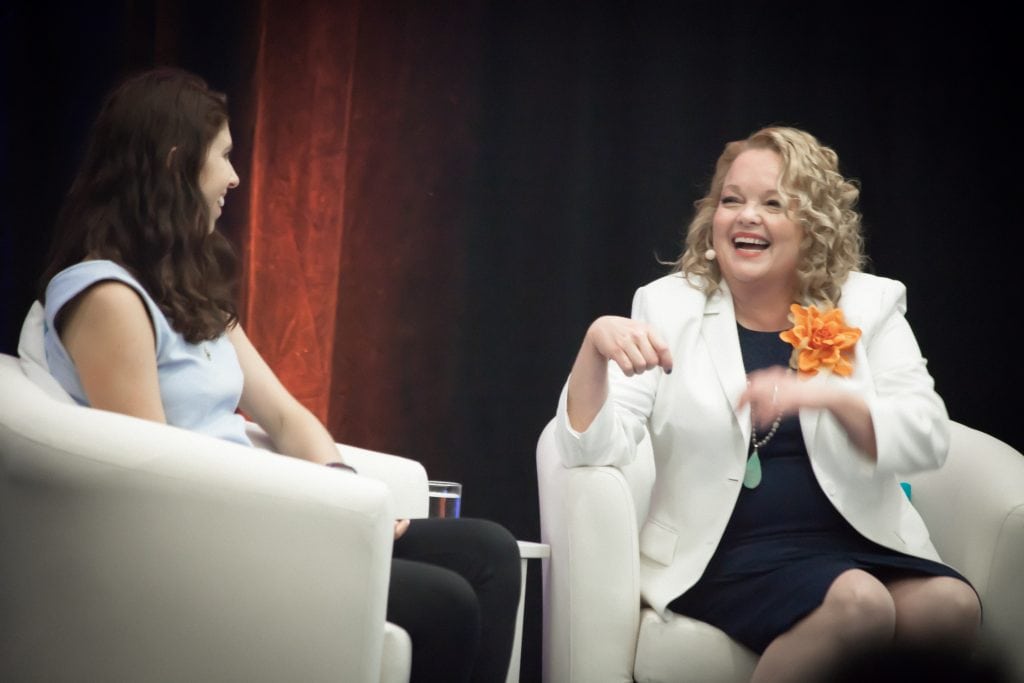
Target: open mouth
[750,243]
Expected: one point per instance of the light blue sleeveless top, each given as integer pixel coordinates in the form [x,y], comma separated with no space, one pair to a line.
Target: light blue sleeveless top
[200,384]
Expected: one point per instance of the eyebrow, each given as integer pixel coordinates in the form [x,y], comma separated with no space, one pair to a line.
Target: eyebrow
[736,188]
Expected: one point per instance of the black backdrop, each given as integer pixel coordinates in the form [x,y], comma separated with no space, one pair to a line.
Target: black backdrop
[597,127]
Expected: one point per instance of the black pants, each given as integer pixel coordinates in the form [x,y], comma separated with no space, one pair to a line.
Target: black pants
[455,590]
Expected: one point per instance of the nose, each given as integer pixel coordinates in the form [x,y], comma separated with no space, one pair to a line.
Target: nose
[233,182]
[750,214]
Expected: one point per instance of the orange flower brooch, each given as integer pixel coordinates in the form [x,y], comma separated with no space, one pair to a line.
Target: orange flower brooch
[821,341]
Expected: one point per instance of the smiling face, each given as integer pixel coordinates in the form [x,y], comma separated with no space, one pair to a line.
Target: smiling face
[756,239]
[217,175]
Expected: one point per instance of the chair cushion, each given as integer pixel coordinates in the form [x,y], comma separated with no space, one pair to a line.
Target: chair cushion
[682,649]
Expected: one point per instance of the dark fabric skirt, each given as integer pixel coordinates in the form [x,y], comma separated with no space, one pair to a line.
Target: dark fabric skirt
[760,591]
[783,547]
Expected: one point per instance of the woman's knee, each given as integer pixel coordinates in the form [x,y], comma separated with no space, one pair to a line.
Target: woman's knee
[495,539]
[423,596]
[941,609]
[861,607]
[500,549]
[960,602]
[458,601]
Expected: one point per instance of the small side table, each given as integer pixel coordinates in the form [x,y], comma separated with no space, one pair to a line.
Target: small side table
[528,550]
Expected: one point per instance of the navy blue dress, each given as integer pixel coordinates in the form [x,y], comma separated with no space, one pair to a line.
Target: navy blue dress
[785,543]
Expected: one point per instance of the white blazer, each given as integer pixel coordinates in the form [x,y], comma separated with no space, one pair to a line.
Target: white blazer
[700,438]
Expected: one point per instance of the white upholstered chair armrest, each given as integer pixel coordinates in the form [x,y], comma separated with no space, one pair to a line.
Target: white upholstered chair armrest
[137,551]
[406,478]
[591,580]
[974,508]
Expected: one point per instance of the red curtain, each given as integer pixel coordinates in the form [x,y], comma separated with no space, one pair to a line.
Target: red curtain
[302,101]
[362,145]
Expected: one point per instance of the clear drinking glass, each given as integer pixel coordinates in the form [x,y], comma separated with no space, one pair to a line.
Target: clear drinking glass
[445,498]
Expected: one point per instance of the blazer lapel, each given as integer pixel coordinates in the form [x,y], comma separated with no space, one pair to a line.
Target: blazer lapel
[723,345]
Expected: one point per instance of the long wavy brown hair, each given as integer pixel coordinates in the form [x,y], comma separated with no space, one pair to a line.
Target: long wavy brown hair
[832,245]
[136,200]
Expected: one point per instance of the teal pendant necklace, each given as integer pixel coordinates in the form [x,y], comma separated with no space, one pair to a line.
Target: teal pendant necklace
[752,475]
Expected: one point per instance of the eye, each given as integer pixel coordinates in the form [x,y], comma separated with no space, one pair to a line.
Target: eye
[773,204]
[730,199]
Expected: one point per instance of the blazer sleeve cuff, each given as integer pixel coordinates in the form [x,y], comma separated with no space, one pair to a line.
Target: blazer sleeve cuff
[594,445]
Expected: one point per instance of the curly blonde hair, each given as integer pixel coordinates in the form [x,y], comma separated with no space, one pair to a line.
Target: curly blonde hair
[832,244]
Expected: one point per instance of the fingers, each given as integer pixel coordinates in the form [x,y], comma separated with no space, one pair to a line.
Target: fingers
[761,412]
[634,346]
[400,526]
[635,355]
[660,348]
[772,392]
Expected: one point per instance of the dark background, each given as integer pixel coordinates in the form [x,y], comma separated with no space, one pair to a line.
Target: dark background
[541,159]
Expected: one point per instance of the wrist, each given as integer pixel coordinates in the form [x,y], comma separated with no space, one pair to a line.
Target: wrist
[589,360]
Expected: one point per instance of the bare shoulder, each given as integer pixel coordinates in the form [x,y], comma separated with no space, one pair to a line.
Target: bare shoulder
[108,307]
[111,339]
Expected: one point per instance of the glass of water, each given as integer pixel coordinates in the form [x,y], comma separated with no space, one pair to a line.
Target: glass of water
[445,498]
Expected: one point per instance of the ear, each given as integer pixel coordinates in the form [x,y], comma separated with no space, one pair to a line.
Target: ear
[170,156]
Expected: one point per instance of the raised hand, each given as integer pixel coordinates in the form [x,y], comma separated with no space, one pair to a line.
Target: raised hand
[776,391]
[633,345]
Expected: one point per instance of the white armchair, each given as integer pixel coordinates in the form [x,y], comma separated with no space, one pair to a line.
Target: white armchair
[131,550]
[595,628]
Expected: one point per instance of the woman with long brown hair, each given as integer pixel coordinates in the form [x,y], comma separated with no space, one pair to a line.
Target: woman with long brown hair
[141,320]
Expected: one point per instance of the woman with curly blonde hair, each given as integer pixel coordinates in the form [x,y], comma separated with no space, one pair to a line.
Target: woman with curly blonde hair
[824,206]
[783,391]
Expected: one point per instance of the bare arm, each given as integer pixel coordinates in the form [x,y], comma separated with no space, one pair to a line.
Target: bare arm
[635,346]
[109,336]
[293,429]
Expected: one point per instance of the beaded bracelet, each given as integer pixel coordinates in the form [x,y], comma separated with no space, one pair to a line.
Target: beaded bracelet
[343,466]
